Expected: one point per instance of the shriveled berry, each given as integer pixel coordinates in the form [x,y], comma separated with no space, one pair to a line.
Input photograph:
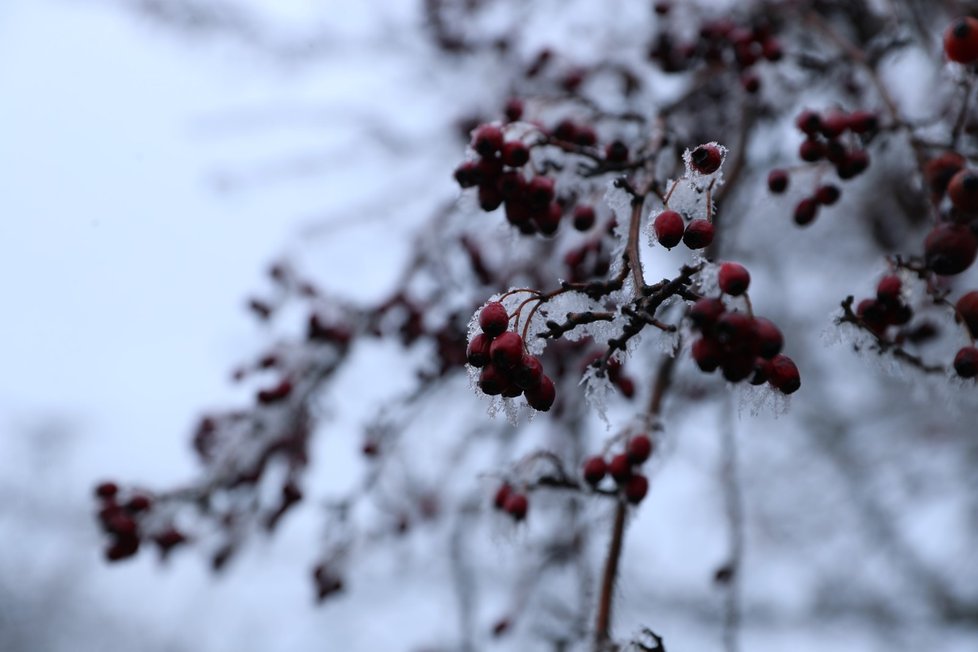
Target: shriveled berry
[963,190]
[583,217]
[827,194]
[967,307]
[595,468]
[733,279]
[639,449]
[777,181]
[493,319]
[706,159]
[517,505]
[966,362]
[961,40]
[636,488]
[784,374]
[698,234]
[487,140]
[768,337]
[477,352]
[620,468]
[950,249]
[506,350]
[806,211]
[668,227]
[543,395]
[515,154]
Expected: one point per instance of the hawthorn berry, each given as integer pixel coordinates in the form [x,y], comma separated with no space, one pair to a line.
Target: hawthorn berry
[636,487]
[809,122]
[583,217]
[506,351]
[487,140]
[698,234]
[620,468]
[777,181]
[863,122]
[966,362]
[616,151]
[515,154]
[939,171]
[961,40]
[502,495]
[705,312]
[834,124]
[468,174]
[768,337]
[950,249]
[733,329]
[542,396]
[491,381]
[733,279]
[706,159]
[735,367]
[540,191]
[967,307]
[668,227]
[513,109]
[827,194]
[963,190]
[854,164]
[528,372]
[547,220]
[106,490]
[888,289]
[477,352]
[595,468]
[493,319]
[750,82]
[517,505]
[783,374]
[490,197]
[707,354]
[811,150]
[639,449]
[806,211]
[873,315]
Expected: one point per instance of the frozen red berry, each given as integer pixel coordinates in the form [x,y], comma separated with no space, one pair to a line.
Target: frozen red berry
[636,487]
[707,354]
[543,395]
[639,449]
[777,181]
[106,490]
[966,362]
[705,312]
[468,174]
[950,249]
[583,217]
[698,234]
[963,190]
[502,495]
[595,468]
[784,374]
[706,159]
[515,154]
[767,337]
[487,140]
[939,171]
[806,211]
[827,194]
[517,505]
[528,372]
[493,319]
[477,352]
[961,40]
[967,307]
[733,279]
[506,351]
[491,381]
[668,227]
[620,468]
[808,122]
[888,289]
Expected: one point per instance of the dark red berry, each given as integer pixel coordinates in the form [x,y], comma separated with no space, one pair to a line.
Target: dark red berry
[595,468]
[477,352]
[777,181]
[950,249]
[771,49]
[863,122]
[809,122]
[528,372]
[139,503]
[506,350]
[768,337]
[834,124]
[750,81]
[811,150]
[967,307]
[827,194]
[939,171]
[963,191]
[698,234]
[784,374]
[502,495]
[738,366]
[468,174]
[733,279]
[854,164]
[517,506]
[487,140]
[583,217]
[540,191]
[275,394]
[514,109]
[515,154]
[705,312]
[620,468]
[106,489]
[490,197]
[888,289]
[639,449]
[636,487]
[707,354]
[961,40]
[966,362]
[493,319]
[668,227]
[491,381]
[872,314]
[734,330]
[806,211]
[706,159]
[616,151]
[542,396]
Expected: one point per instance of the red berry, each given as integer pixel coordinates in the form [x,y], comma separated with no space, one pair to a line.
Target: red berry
[706,159]
[854,164]
[705,312]
[966,362]
[540,191]
[888,289]
[468,174]
[809,122]
[506,351]
[750,81]
[493,319]
[528,372]
[502,495]
[784,374]
[734,330]
[122,548]
[733,279]
[777,181]
[595,468]
[806,211]
[477,352]
[639,449]
[515,154]
[636,487]
[771,49]
[583,217]
[963,191]
[275,394]
[737,367]
[616,151]
[517,505]
[873,315]
[961,40]
[950,249]
[834,124]
[811,150]
[967,307]
[620,468]
[863,122]
[514,109]
[490,197]
[768,337]
[491,381]
[547,219]
[707,354]
[699,234]
[106,490]
[827,194]
[487,140]
[542,396]
[668,227]
[939,171]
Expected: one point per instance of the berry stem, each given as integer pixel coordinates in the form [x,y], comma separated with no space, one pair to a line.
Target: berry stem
[634,229]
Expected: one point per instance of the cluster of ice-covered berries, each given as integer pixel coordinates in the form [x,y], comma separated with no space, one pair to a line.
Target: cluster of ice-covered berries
[120,520]
[951,247]
[623,469]
[887,309]
[530,204]
[669,226]
[966,360]
[507,369]
[720,42]
[742,346]
[826,139]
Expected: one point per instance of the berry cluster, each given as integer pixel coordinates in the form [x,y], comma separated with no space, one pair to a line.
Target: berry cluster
[670,229]
[507,369]
[887,309]
[740,345]
[512,502]
[952,246]
[966,360]
[622,469]
[120,520]
[837,137]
